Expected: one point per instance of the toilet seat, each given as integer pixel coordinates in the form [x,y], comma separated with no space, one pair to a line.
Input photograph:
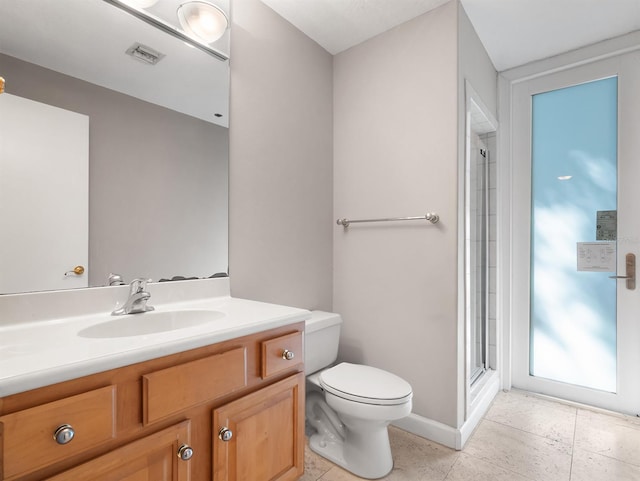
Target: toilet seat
[365,384]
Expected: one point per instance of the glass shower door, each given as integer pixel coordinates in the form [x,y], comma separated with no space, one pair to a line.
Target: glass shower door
[478,260]
[480,240]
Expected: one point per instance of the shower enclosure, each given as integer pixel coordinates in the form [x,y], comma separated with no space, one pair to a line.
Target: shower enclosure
[478,223]
[480,242]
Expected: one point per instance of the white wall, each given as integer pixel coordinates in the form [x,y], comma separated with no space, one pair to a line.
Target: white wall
[280,161]
[475,66]
[476,69]
[395,154]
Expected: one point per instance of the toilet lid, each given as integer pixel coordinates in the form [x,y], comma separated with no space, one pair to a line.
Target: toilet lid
[365,384]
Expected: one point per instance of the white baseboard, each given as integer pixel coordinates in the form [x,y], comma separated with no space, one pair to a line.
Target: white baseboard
[429,429]
[443,433]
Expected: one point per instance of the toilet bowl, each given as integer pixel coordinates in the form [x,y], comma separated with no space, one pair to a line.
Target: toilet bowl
[349,406]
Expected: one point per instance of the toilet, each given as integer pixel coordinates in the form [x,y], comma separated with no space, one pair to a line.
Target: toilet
[349,406]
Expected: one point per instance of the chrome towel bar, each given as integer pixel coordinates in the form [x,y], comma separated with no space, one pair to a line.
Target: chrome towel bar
[430,216]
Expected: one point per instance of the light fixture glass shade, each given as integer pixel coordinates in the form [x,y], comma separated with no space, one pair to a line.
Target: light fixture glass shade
[141,3]
[202,20]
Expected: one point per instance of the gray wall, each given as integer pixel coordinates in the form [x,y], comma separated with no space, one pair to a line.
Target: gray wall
[281,219]
[475,66]
[158,179]
[396,154]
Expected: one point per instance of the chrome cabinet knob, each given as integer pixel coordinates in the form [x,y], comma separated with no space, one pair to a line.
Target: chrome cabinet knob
[64,434]
[225,434]
[288,355]
[185,452]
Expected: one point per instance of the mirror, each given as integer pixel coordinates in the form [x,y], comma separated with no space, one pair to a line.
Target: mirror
[157,139]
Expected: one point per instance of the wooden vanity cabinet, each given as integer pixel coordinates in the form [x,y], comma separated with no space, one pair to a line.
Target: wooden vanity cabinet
[152,458]
[129,423]
[258,435]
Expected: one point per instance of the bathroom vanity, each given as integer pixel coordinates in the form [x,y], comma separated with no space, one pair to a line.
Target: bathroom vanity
[226,402]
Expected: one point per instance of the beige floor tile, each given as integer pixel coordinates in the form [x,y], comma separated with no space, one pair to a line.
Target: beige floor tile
[314,465]
[524,453]
[338,474]
[468,468]
[522,438]
[399,473]
[614,436]
[596,467]
[534,415]
[415,459]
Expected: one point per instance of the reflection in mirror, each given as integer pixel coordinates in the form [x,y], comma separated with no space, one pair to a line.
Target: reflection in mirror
[157,146]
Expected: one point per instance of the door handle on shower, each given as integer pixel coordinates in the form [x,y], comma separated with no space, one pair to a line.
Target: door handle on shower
[630,266]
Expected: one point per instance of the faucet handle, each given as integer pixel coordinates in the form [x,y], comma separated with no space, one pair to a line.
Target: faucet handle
[115,280]
[139,285]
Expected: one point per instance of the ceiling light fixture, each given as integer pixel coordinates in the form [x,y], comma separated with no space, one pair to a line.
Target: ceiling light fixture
[203,20]
[166,27]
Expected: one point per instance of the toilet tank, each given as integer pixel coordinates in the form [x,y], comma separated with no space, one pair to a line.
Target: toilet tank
[321,336]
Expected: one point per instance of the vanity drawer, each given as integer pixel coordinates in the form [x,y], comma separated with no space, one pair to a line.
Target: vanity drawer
[175,389]
[282,353]
[28,441]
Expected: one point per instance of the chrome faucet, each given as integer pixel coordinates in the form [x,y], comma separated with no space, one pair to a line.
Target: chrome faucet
[137,301]
[115,280]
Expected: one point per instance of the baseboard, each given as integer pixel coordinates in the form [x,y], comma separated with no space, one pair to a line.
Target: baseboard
[443,433]
[429,429]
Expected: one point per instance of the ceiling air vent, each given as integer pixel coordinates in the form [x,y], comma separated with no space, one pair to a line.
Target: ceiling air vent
[144,54]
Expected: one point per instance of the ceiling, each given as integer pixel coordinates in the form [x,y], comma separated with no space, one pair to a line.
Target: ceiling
[82,45]
[514,32]
[90,43]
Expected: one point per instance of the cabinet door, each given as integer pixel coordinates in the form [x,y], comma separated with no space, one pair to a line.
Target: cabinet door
[152,458]
[267,434]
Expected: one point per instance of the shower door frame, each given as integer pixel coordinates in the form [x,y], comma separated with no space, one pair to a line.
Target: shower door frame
[476,389]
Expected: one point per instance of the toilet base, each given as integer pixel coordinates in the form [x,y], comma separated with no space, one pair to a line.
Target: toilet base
[331,449]
[352,434]
[364,452]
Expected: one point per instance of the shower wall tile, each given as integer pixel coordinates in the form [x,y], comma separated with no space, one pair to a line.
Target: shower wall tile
[493,252]
[492,279]
[493,197]
[493,174]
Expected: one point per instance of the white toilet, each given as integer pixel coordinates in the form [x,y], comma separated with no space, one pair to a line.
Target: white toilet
[349,406]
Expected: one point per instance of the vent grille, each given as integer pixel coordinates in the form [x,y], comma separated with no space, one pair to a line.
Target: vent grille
[144,54]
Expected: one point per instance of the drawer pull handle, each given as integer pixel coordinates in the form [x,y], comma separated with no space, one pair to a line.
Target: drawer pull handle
[185,452]
[288,355]
[64,434]
[225,434]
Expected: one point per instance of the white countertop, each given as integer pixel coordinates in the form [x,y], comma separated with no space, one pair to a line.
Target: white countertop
[44,352]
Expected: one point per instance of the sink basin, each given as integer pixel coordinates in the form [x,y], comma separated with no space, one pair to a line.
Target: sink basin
[153,322]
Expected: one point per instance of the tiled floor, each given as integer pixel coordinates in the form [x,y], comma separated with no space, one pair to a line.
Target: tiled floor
[522,438]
